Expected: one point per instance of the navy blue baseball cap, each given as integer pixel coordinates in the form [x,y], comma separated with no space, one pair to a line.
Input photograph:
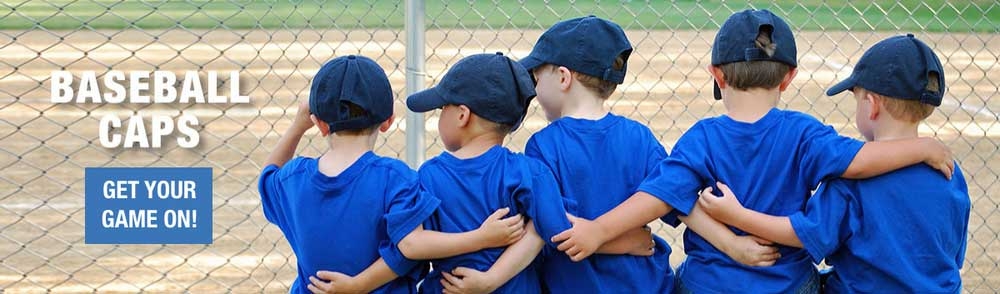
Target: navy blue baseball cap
[348,80]
[492,85]
[736,40]
[588,45]
[898,67]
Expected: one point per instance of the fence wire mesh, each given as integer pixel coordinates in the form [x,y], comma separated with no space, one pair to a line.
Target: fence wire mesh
[278,46]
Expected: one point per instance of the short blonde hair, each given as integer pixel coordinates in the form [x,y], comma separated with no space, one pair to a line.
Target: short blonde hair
[907,110]
[599,86]
[912,110]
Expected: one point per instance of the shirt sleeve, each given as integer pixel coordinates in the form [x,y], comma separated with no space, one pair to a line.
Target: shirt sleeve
[398,263]
[676,179]
[540,200]
[958,180]
[269,186]
[533,150]
[827,221]
[409,206]
[825,154]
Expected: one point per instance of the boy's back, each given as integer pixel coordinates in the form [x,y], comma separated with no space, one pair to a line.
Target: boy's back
[345,223]
[471,189]
[599,164]
[777,160]
[901,232]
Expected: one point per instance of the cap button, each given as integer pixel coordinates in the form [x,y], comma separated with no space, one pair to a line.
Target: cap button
[499,53]
[909,35]
[351,57]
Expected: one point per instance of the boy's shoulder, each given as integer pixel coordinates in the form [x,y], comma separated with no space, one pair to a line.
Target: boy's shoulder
[300,165]
[612,122]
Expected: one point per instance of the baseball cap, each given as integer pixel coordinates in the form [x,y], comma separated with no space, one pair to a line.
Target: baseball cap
[736,40]
[588,45]
[898,67]
[348,80]
[492,85]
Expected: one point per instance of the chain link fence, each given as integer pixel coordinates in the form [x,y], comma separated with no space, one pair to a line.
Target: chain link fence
[277,46]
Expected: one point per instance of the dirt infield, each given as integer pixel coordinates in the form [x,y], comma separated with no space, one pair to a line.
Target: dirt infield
[45,147]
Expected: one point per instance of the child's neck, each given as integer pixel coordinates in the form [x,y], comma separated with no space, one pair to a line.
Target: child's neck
[343,152]
[887,129]
[750,105]
[584,106]
[478,144]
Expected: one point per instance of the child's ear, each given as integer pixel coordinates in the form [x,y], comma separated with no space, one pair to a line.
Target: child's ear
[324,128]
[877,102]
[464,116]
[717,74]
[387,123]
[788,79]
[565,78]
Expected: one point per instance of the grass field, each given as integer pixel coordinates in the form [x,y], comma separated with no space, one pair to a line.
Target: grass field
[908,15]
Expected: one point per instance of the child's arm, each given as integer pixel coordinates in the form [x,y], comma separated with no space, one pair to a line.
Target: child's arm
[583,239]
[748,250]
[876,158]
[290,140]
[496,231]
[513,260]
[637,241]
[729,210]
[376,275]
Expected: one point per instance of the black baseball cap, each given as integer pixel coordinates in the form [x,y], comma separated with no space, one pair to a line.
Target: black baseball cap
[898,67]
[348,80]
[588,45]
[736,40]
[492,85]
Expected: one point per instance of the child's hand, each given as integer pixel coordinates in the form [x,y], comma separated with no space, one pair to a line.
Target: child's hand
[338,283]
[752,251]
[302,122]
[939,157]
[463,280]
[497,231]
[642,241]
[723,208]
[582,240]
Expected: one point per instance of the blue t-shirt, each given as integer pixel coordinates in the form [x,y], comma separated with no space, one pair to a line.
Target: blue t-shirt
[472,189]
[901,232]
[345,223]
[771,165]
[599,164]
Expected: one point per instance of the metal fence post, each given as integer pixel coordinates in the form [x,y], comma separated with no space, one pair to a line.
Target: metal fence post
[414,80]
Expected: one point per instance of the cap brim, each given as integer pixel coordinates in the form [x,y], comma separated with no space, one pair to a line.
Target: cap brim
[530,62]
[841,86]
[425,100]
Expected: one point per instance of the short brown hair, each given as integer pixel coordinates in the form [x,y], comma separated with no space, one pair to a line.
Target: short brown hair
[603,88]
[764,74]
[355,111]
[912,110]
